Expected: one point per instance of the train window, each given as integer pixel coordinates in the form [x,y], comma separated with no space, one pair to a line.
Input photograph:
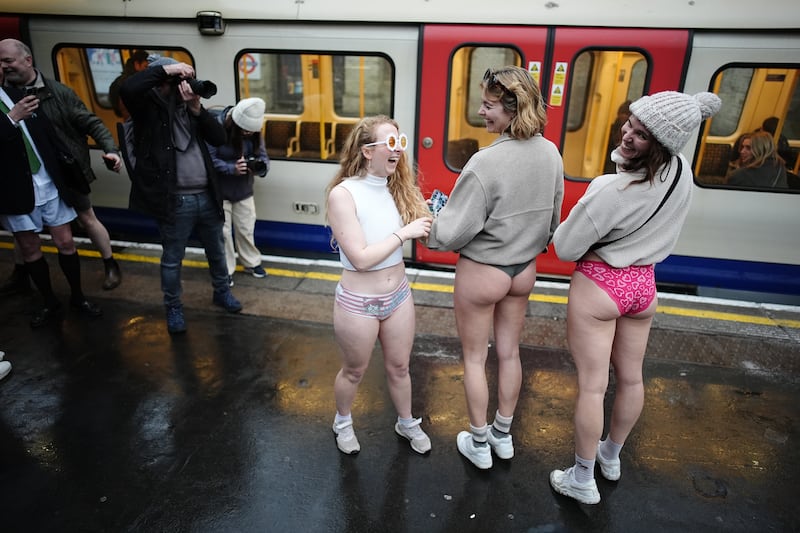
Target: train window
[755,98]
[732,86]
[602,85]
[90,72]
[314,99]
[466,130]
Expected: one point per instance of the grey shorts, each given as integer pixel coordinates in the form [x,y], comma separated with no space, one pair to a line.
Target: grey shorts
[51,214]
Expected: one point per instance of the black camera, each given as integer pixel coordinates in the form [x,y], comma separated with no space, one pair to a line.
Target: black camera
[257,166]
[203,88]
[32,91]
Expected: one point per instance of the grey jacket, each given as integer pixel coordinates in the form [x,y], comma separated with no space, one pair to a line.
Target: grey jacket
[506,203]
[612,208]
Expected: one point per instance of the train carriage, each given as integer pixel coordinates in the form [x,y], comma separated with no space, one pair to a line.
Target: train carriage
[320,66]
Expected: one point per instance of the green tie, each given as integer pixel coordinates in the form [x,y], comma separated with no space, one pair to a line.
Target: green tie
[33,161]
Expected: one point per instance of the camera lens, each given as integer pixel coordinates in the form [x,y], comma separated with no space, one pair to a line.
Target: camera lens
[203,88]
[257,166]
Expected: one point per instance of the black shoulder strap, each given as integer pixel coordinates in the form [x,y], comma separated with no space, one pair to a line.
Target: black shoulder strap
[672,185]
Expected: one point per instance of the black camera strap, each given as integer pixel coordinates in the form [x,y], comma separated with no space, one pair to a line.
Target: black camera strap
[672,185]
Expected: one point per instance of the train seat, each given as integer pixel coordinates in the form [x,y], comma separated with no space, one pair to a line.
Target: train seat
[308,144]
[340,132]
[459,151]
[277,136]
[714,165]
[793,180]
[791,159]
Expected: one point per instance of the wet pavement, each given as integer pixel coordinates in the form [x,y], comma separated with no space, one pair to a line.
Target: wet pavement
[112,425]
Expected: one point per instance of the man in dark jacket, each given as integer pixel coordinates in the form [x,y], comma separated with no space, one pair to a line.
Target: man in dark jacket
[31,199]
[174,180]
[74,123]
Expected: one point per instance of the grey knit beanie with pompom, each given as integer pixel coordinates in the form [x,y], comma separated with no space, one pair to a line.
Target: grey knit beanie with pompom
[671,117]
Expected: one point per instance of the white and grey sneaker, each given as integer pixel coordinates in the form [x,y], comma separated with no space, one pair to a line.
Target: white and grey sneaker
[563,482]
[346,439]
[503,447]
[419,441]
[610,468]
[480,456]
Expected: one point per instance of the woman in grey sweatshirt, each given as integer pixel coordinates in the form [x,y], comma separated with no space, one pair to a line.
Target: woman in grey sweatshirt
[624,224]
[500,215]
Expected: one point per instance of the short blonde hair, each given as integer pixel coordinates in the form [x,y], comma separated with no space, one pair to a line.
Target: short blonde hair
[520,95]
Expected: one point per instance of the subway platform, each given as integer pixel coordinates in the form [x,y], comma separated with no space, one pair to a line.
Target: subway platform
[111,424]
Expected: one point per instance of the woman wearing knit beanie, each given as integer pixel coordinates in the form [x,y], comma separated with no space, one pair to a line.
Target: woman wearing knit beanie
[237,161]
[624,224]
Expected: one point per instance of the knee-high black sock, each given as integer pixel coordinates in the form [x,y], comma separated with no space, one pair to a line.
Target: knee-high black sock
[40,274]
[71,267]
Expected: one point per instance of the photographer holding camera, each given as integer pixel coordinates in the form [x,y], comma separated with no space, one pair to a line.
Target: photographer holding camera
[174,178]
[241,157]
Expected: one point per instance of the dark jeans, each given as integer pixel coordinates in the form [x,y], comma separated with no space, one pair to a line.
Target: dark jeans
[193,212]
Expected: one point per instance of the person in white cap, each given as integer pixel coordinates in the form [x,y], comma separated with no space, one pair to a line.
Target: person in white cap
[237,161]
[624,224]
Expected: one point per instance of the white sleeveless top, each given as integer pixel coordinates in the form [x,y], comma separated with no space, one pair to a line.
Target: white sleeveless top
[377,214]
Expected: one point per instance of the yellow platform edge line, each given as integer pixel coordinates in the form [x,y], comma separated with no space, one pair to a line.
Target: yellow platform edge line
[442,288]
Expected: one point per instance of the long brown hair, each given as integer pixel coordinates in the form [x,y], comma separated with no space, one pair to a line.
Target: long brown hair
[657,158]
[402,183]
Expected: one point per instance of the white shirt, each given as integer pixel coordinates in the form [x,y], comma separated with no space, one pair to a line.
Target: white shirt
[377,213]
[44,189]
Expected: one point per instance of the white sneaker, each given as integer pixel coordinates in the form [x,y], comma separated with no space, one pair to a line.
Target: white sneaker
[5,368]
[610,468]
[480,456]
[346,439]
[2,355]
[503,447]
[563,482]
[420,442]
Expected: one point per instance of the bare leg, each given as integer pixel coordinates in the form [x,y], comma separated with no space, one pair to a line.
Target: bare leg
[591,324]
[356,338]
[97,232]
[477,289]
[397,338]
[509,318]
[627,356]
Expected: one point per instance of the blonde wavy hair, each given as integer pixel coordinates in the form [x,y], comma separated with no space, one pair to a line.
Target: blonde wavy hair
[402,183]
[520,96]
[762,146]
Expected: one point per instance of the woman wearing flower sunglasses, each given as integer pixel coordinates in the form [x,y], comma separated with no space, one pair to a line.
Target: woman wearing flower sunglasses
[501,214]
[373,207]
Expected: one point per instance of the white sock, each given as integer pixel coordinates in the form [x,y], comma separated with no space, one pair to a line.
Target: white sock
[502,423]
[339,420]
[405,422]
[479,435]
[609,449]
[584,469]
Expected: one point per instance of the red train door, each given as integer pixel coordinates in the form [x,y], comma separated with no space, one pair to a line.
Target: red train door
[588,65]
[583,75]
[440,48]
